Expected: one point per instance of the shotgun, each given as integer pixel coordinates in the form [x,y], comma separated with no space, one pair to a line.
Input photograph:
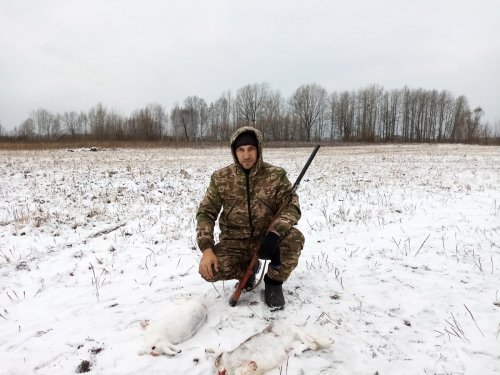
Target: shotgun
[237,291]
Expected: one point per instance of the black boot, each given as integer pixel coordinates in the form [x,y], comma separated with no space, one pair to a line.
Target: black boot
[274,293]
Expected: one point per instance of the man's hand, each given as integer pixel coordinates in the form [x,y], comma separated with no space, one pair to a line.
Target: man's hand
[208,260]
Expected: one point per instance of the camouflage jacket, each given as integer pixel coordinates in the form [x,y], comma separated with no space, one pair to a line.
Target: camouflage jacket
[249,202]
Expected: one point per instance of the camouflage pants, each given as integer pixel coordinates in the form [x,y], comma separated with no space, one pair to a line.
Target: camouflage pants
[234,256]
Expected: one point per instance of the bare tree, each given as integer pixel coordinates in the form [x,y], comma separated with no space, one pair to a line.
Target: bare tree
[56,127]
[389,115]
[182,123]
[71,123]
[83,123]
[97,121]
[147,123]
[220,117]
[444,115]
[43,121]
[409,115]
[308,104]
[27,129]
[473,124]
[114,125]
[273,116]
[345,115]
[250,100]
[160,119]
[461,112]
[333,113]
[198,116]
[175,121]
[368,111]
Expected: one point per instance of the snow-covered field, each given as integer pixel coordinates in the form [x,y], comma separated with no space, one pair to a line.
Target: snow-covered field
[401,265]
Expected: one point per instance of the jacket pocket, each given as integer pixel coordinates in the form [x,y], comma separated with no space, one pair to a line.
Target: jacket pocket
[264,202]
[264,210]
[235,211]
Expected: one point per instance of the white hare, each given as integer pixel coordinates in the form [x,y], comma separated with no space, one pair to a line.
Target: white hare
[267,350]
[179,324]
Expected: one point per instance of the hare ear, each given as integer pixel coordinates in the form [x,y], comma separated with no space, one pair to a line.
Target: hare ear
[252,365]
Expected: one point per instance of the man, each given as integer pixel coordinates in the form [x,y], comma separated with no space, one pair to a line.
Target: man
[249,193]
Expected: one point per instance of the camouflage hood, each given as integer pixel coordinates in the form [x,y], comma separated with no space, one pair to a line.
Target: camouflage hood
[258,136]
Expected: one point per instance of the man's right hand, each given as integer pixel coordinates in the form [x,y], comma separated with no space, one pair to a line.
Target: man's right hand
[208,264]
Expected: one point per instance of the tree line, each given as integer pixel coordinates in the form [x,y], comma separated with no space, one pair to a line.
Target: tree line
[370,114]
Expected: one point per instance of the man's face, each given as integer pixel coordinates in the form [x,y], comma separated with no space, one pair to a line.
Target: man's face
[247,156]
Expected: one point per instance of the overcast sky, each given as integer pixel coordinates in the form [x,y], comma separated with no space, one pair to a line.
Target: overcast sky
[67,55]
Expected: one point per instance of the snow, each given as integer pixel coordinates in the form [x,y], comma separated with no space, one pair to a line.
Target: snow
[401,265]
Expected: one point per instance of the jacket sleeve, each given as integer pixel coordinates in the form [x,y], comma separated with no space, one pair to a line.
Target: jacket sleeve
[208,210]
[291,212]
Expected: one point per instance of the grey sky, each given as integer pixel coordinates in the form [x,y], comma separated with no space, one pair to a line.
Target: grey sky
[67,55]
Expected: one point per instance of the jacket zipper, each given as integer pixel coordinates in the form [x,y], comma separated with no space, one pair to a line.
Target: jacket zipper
[247,176]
